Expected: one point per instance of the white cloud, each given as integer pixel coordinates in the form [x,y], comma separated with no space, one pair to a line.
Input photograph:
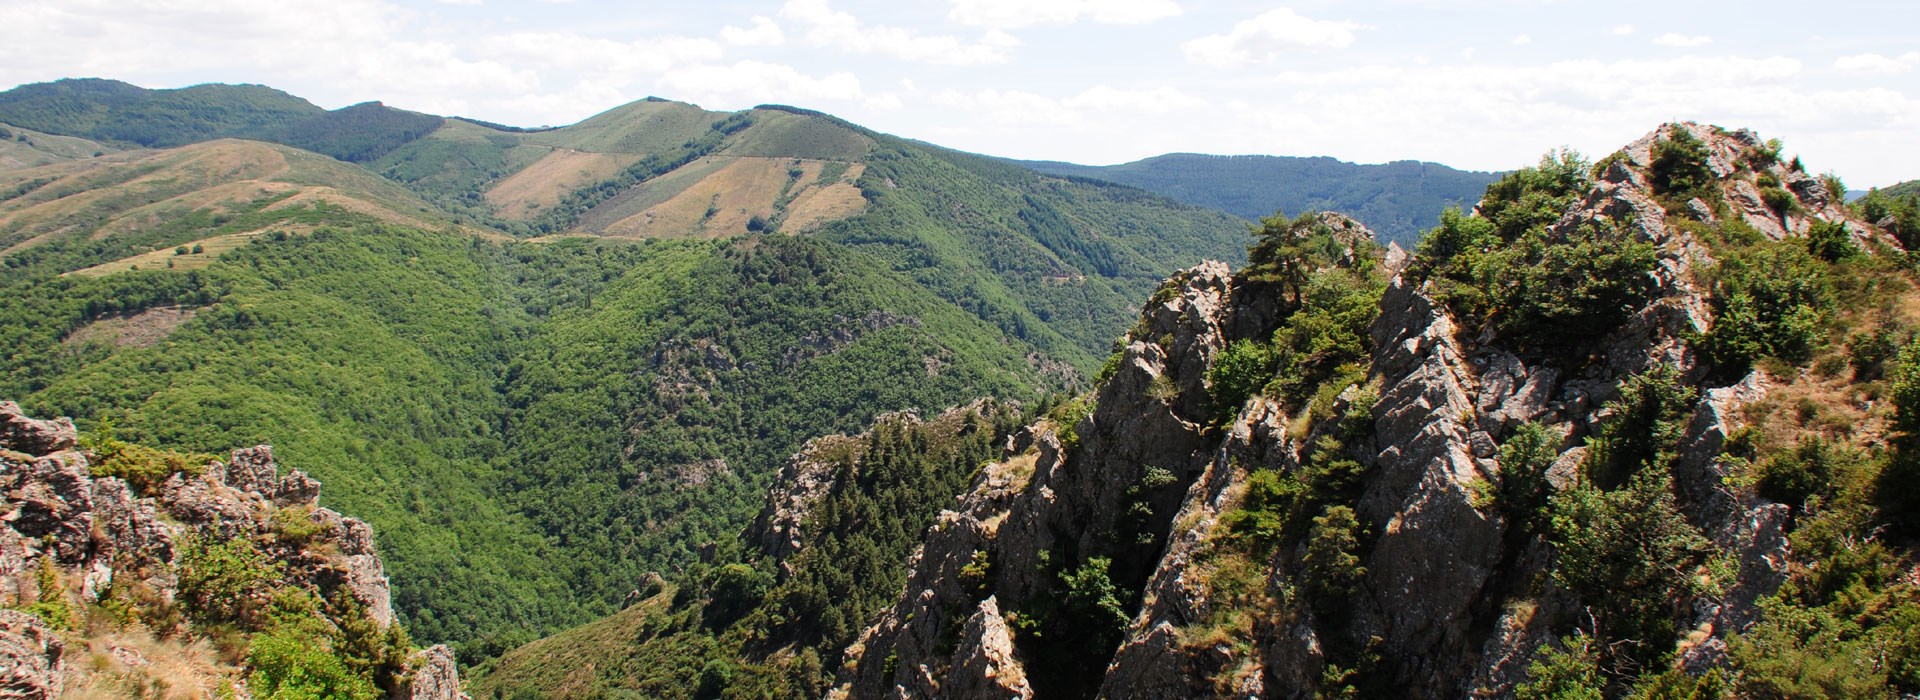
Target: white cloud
[1874,63]
[1682,41]
[1264,38]
[759,82]
[1522,40]
[353,49]
[462,2]
[622,59]
[1016,14]
[1115,110]
[1623,30]
[1103,98]
[764,32]
[833,28]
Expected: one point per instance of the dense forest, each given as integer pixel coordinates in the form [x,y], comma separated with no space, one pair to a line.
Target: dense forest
[1397,200]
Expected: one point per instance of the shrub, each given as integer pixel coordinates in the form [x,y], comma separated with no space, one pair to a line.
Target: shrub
[1332,571]
[1869,351]
[736,589]
[1559,297]
[144,468]
[52,605]
[1679,169]
[1649,418]
[223,582]
[295,524]
[1629,556]
[290,665]
[1810,469]
[1238,373]
[1532,198]
[1569,670]
[1769,301]
[1829,241]
[1780,200]
[1524,490]
[1899,483]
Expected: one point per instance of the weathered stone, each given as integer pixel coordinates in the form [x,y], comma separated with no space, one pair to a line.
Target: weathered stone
[435,675]
[984,667]
[251,470]
[31,667]
[296,489]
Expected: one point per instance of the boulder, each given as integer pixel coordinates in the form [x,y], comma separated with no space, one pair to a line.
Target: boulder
[34,437]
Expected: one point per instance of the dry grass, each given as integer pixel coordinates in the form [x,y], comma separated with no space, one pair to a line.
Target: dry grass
[718,197]
[132,663]
[140,330]
[826,202]
[524,194]
[720,204]
[171,259]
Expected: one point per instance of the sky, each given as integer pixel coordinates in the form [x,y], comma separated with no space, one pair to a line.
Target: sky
[1479,84]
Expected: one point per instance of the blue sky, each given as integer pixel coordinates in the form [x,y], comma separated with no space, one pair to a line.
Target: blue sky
[1487,84]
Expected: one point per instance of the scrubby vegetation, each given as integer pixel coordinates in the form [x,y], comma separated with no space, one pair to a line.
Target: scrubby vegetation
[1545,292]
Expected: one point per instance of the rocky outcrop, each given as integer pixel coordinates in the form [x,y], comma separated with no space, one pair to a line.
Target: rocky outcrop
[984,666]
[435,676]
[30,657]
[34,437]
[1441,608]
[98,530]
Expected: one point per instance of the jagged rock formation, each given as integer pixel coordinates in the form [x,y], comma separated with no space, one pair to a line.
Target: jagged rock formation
[30,657]
[1440,597]
[56,516]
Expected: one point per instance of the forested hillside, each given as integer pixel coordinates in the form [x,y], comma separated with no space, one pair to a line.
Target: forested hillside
[1398,200]
[533,426]
[115,112]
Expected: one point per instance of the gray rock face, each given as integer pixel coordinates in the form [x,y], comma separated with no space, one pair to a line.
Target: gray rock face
[95,529]
[31,667]
[34,437]
[1442,603]
[802,483]
[435,676]
[984,667]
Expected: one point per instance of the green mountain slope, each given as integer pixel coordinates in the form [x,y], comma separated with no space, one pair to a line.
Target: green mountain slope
[534,426]
[116,112]
[110,110]
[26,148]
[1398,199]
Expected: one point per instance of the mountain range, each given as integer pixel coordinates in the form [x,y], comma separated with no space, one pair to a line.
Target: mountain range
[676,402]
[1398,200]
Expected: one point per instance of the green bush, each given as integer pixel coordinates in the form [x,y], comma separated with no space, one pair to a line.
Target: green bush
[1679,171]
[1524,490]
[1899,484]
[1533,198]
[1546,293]
[1628,555]
[291,665]
[52,605]
[1810,469]
[1332,573]
[1769,300]
[1829,241]
[1238,373]
[223,582]
[736,589]
[1649,418]
[143,468]
[1560,297]
[1569,670]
